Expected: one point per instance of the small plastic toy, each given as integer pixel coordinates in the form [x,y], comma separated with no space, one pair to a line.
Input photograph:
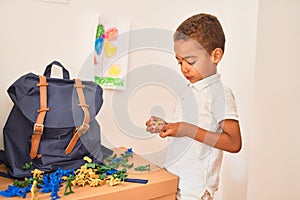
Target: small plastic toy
[111,171]
[143,168]
[27,166]
[120,174]
[87,159]
[129,151]
[155,124]
[69,185]
[34,190]
[111,158]
[22,184]
[125,164]
[102,176]
[158,121]
[15,191]
[126,155]
[46,186]
[91,165]
[55,181]
[113,181]
[37,173]
[96,182]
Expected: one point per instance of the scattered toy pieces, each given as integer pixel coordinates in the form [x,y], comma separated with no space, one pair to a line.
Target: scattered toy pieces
[87,159]
[15,191]
[27,166]
[37,173]
[114,161]
[22,184]
[53,181]
[90,173]
[143,168]
[113,181]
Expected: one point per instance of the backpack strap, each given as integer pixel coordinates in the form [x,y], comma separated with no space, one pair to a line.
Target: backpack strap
[38,127]
[85,125]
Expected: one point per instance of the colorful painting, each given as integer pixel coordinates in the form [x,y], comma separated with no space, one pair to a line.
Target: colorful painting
[111,53]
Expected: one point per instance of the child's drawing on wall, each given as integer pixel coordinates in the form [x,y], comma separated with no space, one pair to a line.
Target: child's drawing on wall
[111,53]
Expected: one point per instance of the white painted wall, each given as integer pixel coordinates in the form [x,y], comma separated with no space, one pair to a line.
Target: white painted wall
[274,159]
[33,33]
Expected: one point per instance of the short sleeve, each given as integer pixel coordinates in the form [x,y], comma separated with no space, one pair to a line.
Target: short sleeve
[230,105]
[224,105]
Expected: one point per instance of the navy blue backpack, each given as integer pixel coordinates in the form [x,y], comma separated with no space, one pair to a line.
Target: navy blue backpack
[52,123]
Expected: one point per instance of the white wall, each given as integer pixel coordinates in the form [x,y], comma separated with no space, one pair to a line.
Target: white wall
[274,160]
[33,33]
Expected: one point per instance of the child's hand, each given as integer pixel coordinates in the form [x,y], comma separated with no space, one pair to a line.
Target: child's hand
[155,124]
[178,129]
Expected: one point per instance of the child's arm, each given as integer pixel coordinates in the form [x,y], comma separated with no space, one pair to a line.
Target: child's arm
[228,140]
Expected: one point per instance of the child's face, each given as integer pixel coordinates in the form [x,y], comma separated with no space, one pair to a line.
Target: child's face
[194,60]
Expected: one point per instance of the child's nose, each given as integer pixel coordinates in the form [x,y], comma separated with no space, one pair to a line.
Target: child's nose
[184,67]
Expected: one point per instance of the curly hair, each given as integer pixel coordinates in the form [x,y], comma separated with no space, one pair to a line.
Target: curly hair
[203,28]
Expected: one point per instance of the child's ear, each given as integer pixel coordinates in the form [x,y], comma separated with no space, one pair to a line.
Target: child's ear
[216,55]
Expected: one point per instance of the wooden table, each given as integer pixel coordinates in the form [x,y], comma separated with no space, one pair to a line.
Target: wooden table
[161,185]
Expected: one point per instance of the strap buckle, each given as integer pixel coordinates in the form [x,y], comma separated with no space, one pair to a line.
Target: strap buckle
[38,129]
[83,128]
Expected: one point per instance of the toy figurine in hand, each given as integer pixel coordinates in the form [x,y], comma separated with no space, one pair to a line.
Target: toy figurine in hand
[177,129]
[155,124]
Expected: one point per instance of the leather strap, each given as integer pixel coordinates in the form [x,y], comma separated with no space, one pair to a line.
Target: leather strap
[38,127]
[85,125]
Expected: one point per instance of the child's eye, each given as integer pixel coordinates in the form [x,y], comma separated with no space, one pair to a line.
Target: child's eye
[191,63]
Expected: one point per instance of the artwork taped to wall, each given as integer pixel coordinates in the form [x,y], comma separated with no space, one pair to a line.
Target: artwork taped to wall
[111,53]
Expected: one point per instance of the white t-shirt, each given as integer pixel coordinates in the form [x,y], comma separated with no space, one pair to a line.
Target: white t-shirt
[205,104]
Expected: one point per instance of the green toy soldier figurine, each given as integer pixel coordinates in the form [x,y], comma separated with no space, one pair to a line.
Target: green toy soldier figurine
[69,185]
